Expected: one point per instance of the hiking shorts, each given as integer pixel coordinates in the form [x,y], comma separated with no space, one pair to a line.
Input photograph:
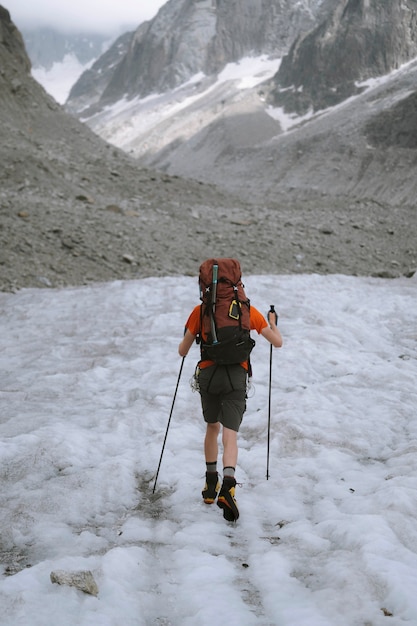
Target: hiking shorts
[223,394]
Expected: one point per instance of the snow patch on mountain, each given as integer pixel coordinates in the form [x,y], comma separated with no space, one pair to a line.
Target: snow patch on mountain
[289,120]
[146,124]
[59,79]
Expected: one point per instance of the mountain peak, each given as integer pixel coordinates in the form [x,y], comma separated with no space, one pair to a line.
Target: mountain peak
[359,40]
[188,37]
[12,49]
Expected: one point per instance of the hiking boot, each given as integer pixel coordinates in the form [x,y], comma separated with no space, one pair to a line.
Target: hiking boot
[226,499]
[211,488]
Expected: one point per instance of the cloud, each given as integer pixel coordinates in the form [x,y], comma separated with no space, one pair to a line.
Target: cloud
[101,16]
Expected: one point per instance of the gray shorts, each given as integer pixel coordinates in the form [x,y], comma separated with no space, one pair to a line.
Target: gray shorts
[223,394]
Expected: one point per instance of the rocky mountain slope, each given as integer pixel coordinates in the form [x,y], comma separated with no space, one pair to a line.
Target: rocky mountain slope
[75,209]
[93,82]
[361,149]
[361,39]
[188,37]
[341,164]
[217,121]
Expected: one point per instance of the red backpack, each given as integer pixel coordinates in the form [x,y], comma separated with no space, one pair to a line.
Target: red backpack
[225,321]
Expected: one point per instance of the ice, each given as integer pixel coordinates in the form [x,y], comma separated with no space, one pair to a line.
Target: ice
[87,377]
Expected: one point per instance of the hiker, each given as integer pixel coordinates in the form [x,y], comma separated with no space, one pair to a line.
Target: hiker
[223,386]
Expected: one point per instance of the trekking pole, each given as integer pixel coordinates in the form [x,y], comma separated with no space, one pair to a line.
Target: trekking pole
[271,310]
[169,421]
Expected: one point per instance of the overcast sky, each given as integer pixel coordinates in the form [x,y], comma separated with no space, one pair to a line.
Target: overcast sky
[103,16]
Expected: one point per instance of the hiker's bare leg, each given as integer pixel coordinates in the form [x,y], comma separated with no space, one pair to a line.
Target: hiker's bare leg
[229,447]
[211,446]
[226,498]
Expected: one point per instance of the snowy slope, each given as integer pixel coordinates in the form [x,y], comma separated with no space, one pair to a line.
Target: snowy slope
[59,79]
[143,126]
[87,381]
[223,132]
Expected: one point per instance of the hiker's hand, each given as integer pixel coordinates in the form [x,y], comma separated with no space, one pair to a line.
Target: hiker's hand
[272,334]
[186,343]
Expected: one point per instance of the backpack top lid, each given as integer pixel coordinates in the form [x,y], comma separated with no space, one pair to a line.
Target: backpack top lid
[228,271]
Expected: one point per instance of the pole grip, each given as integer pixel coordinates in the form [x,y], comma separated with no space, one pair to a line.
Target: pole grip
[272,310]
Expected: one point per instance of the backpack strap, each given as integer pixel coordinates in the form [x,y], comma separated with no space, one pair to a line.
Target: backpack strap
[199,336]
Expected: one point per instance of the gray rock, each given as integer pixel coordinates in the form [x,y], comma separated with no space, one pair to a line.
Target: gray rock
[360,39]
[188,37]
[89,88]
[82,580]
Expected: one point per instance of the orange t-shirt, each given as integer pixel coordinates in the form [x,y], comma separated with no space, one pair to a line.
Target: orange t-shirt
[257,322]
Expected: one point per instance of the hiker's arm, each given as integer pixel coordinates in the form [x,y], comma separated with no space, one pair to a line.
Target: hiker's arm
[271,332]
[186,343]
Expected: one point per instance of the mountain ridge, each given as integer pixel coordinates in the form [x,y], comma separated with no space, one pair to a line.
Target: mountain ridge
[74,209]
[183,143]
[360,39]
[187,37]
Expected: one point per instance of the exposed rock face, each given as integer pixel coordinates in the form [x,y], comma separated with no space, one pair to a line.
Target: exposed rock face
[89,88]
[13,55]
[191,36]
[397,127]
[361,39]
